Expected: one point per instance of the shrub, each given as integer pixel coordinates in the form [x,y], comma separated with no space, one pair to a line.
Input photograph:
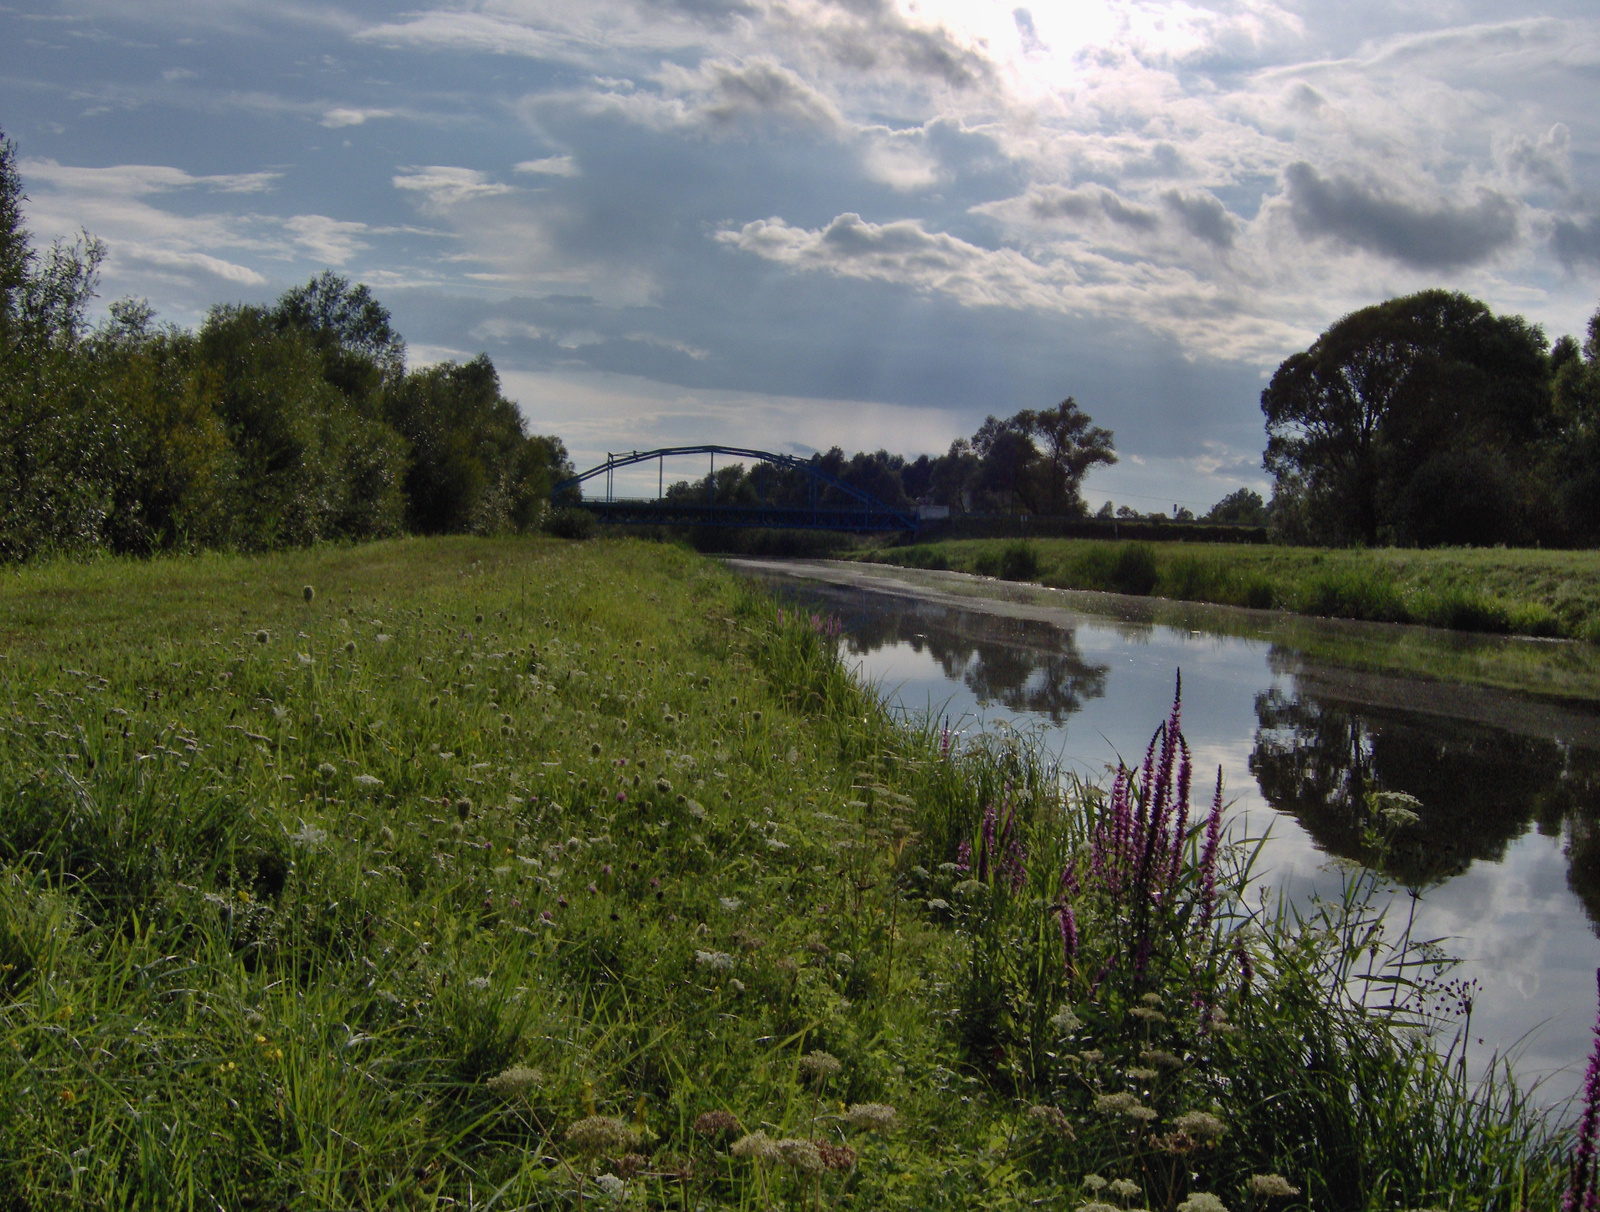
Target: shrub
[570,522]
[1019,561]
[1134,570]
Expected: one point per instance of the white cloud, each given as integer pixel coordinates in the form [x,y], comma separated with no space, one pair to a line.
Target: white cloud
[443,187]
[136,180]
[550,166]
[341,116]
[328,240]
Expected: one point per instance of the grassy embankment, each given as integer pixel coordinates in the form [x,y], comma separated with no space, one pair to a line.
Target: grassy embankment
[1518,592]
[514,874]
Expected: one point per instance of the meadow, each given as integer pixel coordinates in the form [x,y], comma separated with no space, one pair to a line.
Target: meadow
[1508,591]
[523,873]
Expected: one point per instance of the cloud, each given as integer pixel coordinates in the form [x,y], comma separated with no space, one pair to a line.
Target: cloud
[1577,241]
[135,180]
[136,253]
[340,117]
[728,92]
[443,187]
[1546,160]
[550,166]
[1202,216]
[1053,202]
[331,241]
[1423,236]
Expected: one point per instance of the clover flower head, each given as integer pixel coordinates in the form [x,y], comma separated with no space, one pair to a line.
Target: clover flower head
[1271,1185]
[875,1117]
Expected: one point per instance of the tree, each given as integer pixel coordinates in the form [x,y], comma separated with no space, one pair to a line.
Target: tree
[1072,445]
[350,329]
[1243,506]
[1383,391]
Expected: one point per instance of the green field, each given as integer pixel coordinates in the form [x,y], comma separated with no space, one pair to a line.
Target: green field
[1497,590]
[515,873]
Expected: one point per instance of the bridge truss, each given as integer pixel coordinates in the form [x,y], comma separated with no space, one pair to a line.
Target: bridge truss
[860,512]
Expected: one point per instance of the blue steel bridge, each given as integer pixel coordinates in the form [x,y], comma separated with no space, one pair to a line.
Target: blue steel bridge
[831,503]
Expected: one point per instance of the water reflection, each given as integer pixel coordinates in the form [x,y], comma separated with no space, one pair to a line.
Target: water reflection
[1480,787]
[1022,664]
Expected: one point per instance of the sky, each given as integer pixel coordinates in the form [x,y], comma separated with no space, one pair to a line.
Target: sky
[795,224]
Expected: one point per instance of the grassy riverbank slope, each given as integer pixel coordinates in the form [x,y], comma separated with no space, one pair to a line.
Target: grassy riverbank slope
[1517,592]
[525,874]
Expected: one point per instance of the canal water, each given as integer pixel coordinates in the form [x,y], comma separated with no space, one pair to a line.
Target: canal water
[1504,863]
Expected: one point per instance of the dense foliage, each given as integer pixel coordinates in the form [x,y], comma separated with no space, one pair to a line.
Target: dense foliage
[1428,420]
[270,426]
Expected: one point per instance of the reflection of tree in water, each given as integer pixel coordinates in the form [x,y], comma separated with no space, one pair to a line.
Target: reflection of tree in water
[1022,664]
[1480,787]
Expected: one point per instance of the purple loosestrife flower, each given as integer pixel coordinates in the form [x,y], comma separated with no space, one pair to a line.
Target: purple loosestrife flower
[1208,859]
[1583,1192]
[1182,822]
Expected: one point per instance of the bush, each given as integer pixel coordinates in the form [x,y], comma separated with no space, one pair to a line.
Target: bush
[1134,570]
[1019,561]
[569,523]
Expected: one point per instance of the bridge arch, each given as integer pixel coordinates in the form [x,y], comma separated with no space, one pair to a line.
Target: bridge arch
[861,511]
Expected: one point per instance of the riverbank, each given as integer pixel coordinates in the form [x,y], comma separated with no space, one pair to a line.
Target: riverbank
[1494,590]
[443,870]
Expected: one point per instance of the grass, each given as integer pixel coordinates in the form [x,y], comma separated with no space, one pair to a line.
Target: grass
[1496,590]
[511,874]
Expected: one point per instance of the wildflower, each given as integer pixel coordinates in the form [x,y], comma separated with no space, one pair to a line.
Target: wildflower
[730,903]
[1161,1059]
[261,637]
[1141,1074]
[67,1095]
[755,1146]
[381,638]
[875,1117]
[1092,1056]
[820,1065]
[714,1123]
[480,982]
[1272,1185]
[594,749]
[1065,1021]
[1121,1103]
[349,646]
[717,961]
[386,836]
[368,781]
[1151,999]
[1581,1185]
[1093,1183]
[599,1135]
[463,808]
[1098,1206]
[799,1155]
[1202,1201]
[327,770]
[611,1187]
[518,1079]
[1147,1015]
[1125,1188]
[1052,1119]
[835,1157]
[1395,807]
[629,1164]
[309,836]
[664,787]
[1201,1125]
[307,592]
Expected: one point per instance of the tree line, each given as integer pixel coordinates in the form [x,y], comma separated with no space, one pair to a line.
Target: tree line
[1034,462]
[1428,420]
[268,426]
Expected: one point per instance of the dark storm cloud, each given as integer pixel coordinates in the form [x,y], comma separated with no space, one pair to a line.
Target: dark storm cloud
[1203,217]
[1576,241]
[1424,237]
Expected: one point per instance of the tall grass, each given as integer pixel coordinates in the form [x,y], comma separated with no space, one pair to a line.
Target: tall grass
[527,874]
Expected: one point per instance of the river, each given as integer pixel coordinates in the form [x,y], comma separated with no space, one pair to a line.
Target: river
[1504,863]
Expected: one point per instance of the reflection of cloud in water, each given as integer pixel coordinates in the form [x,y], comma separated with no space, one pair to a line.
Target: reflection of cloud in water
[1509,829]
